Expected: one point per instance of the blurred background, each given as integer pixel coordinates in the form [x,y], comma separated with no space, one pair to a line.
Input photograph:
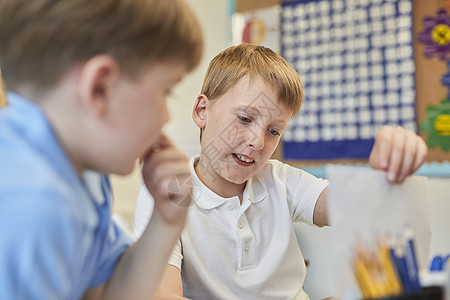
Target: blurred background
[429,86]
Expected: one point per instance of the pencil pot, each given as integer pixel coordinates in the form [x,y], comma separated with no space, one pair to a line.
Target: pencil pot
[426,293]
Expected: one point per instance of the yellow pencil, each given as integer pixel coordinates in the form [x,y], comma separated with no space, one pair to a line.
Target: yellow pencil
[393,282]
[376,275]
[368,272]
[363,279]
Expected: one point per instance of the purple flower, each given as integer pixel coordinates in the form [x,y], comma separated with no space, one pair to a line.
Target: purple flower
[436,35]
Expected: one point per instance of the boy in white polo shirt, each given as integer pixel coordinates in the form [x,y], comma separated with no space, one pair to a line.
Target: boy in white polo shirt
[239,241]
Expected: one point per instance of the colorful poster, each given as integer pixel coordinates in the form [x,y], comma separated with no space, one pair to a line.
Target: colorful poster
[356,62]
[259,27]
[436,37]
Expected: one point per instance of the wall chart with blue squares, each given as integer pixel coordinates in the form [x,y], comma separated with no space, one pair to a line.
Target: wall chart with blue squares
[364,64]
[356,61]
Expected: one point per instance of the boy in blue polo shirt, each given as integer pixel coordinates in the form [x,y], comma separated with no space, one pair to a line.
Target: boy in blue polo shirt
[87,83]
[239,241]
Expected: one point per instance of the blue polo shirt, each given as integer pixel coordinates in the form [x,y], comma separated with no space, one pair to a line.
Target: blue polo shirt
[57,238]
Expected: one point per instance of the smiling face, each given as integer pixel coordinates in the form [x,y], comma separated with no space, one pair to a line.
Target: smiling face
[241,130]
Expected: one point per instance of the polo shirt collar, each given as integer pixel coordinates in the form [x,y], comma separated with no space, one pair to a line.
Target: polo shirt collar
[254,190]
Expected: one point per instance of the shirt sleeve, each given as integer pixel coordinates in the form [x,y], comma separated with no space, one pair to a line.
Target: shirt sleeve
[303,190]
[176,257]
[38,237]
[115,244]
[115,239]
[143,211]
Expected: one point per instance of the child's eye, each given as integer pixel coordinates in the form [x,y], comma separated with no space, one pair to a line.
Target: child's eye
[244,119]
[273,131]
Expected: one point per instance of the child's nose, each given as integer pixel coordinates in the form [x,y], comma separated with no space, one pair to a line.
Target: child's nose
[257,141]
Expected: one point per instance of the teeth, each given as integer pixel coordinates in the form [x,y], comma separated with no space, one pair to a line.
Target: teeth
[243,158]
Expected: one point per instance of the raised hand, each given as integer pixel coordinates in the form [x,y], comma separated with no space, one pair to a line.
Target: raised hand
[398,151]
[167,177]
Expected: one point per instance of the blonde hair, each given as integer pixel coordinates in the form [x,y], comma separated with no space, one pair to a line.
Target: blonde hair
[41,40]
[232,64]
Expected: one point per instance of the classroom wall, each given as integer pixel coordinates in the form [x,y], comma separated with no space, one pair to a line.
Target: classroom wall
[213,16]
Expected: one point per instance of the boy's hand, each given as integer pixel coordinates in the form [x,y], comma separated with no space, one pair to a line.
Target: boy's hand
[167,177]
[398,151]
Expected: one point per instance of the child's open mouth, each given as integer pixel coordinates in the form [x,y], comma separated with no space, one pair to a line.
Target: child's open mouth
[242,159]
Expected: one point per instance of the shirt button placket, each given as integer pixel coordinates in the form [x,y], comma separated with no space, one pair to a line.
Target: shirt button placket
[247,240]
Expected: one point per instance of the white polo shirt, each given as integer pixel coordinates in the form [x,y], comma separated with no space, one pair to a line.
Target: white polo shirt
[230,250]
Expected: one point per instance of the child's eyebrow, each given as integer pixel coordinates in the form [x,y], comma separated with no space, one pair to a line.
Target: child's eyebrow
[248,109]
[255,111]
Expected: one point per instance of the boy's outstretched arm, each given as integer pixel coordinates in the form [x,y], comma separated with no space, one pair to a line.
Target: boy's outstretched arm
[141,267]
[397,151]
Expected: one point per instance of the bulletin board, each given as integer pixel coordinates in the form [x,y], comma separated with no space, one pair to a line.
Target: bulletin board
[355,58]
[431,71]
[380,70]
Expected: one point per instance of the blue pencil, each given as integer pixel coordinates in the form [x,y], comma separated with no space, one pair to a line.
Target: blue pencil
[411,260]
[400,263]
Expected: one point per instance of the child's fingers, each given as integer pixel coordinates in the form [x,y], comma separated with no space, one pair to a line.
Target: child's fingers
[409,157]
[397,146]
[167,176]
[381,152]
[167,171]
[398,151]
[161,143]
[175,197]
[171,188]
[421,154]
[415,151]
[163,156]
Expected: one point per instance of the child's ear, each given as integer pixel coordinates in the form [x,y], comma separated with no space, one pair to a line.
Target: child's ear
[199,113]
[97,78]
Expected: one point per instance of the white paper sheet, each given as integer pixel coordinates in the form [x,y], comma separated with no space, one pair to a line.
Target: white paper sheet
[362,204]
